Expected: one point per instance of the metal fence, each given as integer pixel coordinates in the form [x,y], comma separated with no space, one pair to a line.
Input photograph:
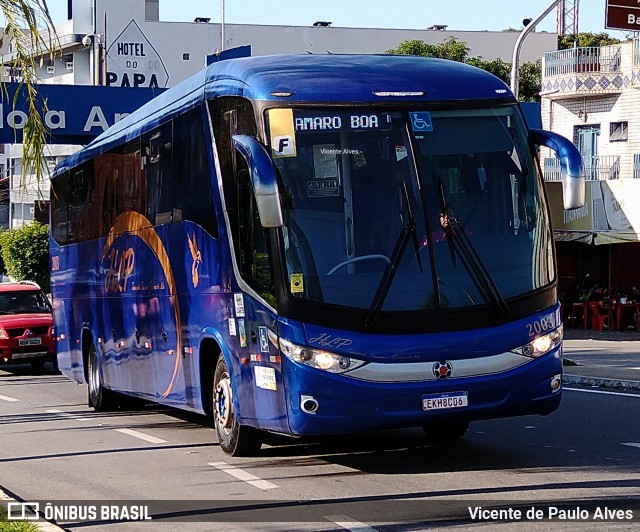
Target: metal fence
[600,168]
[583,60]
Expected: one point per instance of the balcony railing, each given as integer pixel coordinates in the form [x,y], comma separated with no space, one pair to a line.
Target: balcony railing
[583,60]
[600,168]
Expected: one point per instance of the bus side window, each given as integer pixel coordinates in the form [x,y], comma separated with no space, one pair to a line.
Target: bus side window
[59,208]
[253,242]
[157,155]
[193,182]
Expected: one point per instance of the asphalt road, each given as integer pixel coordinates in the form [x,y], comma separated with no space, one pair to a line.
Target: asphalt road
[54,448]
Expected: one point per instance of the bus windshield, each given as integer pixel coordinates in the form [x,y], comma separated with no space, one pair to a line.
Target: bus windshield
[415,210]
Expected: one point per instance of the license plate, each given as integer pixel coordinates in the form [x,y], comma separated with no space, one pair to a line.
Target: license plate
[29,341]
[443,401]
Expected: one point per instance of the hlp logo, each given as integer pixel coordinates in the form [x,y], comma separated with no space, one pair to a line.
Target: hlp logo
[283,145]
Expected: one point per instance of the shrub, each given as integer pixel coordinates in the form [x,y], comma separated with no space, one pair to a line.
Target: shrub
[25,253]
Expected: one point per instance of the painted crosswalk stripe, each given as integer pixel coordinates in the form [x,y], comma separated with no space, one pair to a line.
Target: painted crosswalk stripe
[69,415]
[245,476]
[631,444]
[602,392]
[347,523]
[141,435]
[8,399]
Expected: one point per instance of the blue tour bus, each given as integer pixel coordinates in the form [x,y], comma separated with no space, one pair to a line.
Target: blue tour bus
[315,245]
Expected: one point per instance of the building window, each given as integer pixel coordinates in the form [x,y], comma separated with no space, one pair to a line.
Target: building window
[618,131]
[185,57]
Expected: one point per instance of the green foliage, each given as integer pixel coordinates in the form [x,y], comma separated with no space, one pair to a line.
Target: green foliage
[25,253]
[14,526]
[452,49]
[530,73]
[28,25]
[584,40]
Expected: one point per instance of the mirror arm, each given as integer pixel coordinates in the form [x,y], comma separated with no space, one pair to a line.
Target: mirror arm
[263,179]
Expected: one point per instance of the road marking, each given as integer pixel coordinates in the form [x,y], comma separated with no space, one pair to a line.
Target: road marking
[68,415]
[631,444]
[603,392]
[8,399]
[141,435]
[347,523]
[245,476]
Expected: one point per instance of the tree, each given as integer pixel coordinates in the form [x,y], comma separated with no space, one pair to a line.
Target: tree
[29,27]
[585,40]
[25,253]
[530,73]
[452,49]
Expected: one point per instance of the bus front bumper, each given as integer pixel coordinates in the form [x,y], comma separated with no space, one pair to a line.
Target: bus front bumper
[323,403]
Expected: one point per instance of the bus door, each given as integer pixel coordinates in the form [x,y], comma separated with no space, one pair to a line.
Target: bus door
[260,386]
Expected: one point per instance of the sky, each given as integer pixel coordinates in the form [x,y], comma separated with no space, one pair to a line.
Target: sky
[472,15]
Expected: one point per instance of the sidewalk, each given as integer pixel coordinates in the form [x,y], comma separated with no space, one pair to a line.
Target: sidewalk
[609,359]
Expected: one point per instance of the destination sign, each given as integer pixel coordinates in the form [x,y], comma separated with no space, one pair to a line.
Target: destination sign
[305,122]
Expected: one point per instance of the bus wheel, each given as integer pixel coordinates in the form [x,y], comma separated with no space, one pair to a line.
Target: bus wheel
[446,431]
[234,439]
[101,399]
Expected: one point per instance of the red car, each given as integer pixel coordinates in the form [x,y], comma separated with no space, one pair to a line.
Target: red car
[26,325]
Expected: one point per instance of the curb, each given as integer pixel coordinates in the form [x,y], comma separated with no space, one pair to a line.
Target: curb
[41,524]
[599,382]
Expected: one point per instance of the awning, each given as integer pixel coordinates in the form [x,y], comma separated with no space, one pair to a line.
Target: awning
[597,238]
[586,237]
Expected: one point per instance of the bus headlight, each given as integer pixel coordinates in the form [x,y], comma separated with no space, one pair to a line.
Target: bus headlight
[317,358]
[541,345]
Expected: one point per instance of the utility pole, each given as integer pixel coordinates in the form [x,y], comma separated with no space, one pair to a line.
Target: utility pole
[515,82]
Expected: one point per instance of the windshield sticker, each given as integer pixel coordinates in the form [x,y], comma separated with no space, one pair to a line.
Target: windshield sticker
[232,327]
[297,283]
[238,301]
[421,122]
[263,336]
[325,161]
[401,153]
[265,377]
[242,333]
[323,188]
[283,137]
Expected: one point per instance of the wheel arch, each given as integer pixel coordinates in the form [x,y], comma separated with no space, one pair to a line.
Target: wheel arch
[87,340]
[212,347]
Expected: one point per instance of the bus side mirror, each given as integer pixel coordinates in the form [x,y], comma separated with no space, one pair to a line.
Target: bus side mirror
[573,180]
[263,179]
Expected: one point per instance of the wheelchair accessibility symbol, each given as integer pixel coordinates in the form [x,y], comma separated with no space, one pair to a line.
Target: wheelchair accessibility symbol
[421,121]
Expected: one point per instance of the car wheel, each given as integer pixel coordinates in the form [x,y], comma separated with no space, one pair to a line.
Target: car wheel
[100,398]
[446,431]
[234,439]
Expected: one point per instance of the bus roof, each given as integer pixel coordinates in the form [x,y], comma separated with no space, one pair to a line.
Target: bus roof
[329,78]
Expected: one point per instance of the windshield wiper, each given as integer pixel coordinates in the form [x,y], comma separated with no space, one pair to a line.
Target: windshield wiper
[460,245]
[408,231]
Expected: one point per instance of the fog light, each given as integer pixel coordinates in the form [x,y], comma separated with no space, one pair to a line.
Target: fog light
[556,383]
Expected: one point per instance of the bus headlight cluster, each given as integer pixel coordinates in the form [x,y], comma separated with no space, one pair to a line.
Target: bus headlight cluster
[541,345]
[317,358]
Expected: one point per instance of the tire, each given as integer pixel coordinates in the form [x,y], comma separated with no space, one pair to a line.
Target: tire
[101,399]
[446,431]
[234,439]
[38,363]
[54,363]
